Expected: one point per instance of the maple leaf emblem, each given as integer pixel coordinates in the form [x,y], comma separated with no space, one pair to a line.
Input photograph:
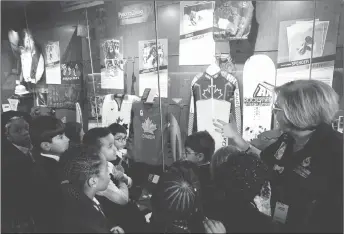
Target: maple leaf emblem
[119,120]
[212,92]
[125,126]
[207,92]
[148,126]
[64,119]
[217,92]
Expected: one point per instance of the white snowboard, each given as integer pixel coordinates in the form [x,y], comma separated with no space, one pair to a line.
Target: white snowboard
[258,83]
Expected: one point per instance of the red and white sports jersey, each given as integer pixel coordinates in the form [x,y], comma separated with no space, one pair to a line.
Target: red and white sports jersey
[210,93]
[117,110]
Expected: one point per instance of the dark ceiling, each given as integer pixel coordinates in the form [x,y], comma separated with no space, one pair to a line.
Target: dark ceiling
[13,14]
[5,5]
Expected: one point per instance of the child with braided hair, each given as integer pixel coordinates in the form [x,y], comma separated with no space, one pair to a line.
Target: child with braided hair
[85,173]
[176,203]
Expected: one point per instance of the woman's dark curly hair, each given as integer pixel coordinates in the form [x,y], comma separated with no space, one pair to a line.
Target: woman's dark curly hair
[242,176]
[221,156]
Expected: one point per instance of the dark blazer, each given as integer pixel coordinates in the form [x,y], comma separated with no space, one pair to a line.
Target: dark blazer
[123,215]
[47,196]
[205,180]
[192,225]
[128,216]
[246,218]
[15,187]
[79,214]
[310,181]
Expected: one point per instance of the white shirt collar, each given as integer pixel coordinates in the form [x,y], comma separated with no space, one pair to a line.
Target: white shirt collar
[203,164]
[110,167]
[119,154]
[57,158]
[23,149]
[96,201]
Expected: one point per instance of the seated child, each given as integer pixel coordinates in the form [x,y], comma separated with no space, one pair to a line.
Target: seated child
[242,178]
[49,142]
[86,174]
[102,140]
[199,148]
[16,165]
[120,134]
[176,206]
[217,197]
[116,202]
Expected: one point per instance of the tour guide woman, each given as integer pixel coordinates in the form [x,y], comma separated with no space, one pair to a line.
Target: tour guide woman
[306,160]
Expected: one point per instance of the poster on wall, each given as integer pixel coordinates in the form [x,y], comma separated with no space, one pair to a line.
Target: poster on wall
[196,44]
[232,20]
[63,95]
[52,64]
[96,106]
[42,96]
[71,73]
[136,13]
[111,65]
[149,56]
[295,51]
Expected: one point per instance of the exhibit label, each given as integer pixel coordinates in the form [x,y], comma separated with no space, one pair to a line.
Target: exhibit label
[136,13]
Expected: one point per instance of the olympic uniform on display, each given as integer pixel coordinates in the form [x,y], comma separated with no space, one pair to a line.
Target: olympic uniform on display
[117,110]
[214,97]
[144,143]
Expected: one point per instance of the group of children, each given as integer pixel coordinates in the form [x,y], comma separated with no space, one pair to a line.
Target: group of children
[79,183]
[71,178]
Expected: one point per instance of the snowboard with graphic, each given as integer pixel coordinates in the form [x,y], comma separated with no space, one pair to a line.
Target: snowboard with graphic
[258,83]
